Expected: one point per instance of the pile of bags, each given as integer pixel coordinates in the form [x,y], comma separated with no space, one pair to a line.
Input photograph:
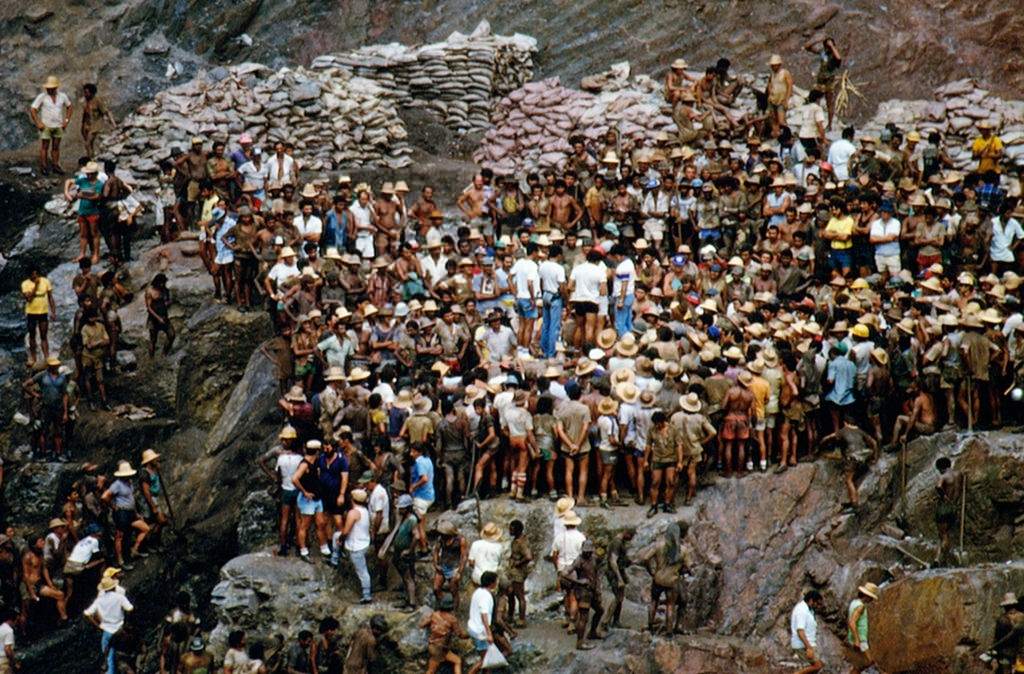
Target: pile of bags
[457,79]
[333,118]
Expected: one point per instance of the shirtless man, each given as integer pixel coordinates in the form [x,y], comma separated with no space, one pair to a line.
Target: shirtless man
[780,90]
[473,199]
[677,80]
[921,419]
[388,225]
[948,495]
[854,445]
[93,112]
[739,407]
[565,211]
[422,209]
[36,582]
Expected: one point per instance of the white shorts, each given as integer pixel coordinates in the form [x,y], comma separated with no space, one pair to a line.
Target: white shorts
[420,506]
[888,263]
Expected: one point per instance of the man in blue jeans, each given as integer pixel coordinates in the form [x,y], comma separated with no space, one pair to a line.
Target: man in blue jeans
[552,285]
[623,288]
[107,612]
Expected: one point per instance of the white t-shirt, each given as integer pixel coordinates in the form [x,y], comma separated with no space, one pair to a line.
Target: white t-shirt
[883,228]
[486,556]
[523,272]
[568,547]
[361,215]
[518,421]
[481,604]
[552,276]
[109,607]
[588,278]
[6,639]
[811,115]
[379,503]
[280,169]
[281,272]
[802,618]
[287,464]
[51,110]
[359,535]
[307,226]
[625,272]
[839,154]
[1003,237]
[84,550]
[256,177]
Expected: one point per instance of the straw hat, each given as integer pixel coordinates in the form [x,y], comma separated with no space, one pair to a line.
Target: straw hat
[623,376]
[1009,599]
[585,366]
[403,400]
[401,187]
[932,283]
[149,456]
[571,519]
[287,433]
[359,496]
[286,252]
[869,589]
[295,395]
[564,505]
[596,354]
[91,167]
[57,522]
[709,305]
[552,372]
[906,326]
[733,353]
[124,469]
[334,373]
[991,316]
[880,356]
[358,374]
[308,191]
[441,368]
[680,64]
[690,403]
[627,346]
[756,366]
[745,378]
[775,60]
[608,405]
[107,584]
[627,392]
[606,338]
[610,158]
[51,83]
[770,357]
[490,532]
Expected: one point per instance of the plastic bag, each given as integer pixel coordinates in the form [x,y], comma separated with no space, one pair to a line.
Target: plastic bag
[494,659]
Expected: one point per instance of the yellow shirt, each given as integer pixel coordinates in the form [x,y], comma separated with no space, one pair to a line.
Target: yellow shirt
[761,389]
[985,148]
[843,226]
[39,304]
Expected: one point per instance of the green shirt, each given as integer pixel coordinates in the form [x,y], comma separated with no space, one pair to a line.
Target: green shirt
[862,622]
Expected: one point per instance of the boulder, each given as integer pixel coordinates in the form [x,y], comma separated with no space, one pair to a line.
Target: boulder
[251,401]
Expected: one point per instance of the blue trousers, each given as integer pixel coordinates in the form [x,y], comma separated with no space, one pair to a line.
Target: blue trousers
[623,316]
[551,324]
[108,648]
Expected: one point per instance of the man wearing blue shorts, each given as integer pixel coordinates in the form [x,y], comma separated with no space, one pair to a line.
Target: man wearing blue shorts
[481,608]
[525,275]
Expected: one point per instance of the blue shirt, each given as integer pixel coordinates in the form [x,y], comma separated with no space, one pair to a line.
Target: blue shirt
[423,467]
[86,206]
[842,374]
[335,230]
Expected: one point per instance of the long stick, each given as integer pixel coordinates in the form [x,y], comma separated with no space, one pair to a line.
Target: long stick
[963,511]
[903,478]
[970,405]
[167,499]
[913,557]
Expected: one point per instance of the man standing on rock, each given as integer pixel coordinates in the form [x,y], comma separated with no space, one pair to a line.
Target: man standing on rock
[39,309]
[51,114]
[947,492]
[780,90]
[803,629]
[585,583]
[94,111]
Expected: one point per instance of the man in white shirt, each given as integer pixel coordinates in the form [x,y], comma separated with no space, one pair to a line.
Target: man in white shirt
[803,631]
[526,278]
[281,167]
[434,263]
[885,237]
[587,285]
[481,609]
[51,113]
[623,289]
[485,553]
[310,227]
[839,154]
[7,660]
[552,287]
[107,612]
[499,339]
[1006,239]
[285,269]
[254,172]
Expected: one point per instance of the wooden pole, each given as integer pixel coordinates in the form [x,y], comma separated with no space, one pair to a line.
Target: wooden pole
[903,478]
[963,512]
[167,498]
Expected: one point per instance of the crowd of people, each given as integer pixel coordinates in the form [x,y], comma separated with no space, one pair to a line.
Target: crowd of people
[648,320]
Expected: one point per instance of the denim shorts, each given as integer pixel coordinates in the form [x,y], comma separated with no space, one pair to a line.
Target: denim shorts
[309,506]
[481,645]
[525,310]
